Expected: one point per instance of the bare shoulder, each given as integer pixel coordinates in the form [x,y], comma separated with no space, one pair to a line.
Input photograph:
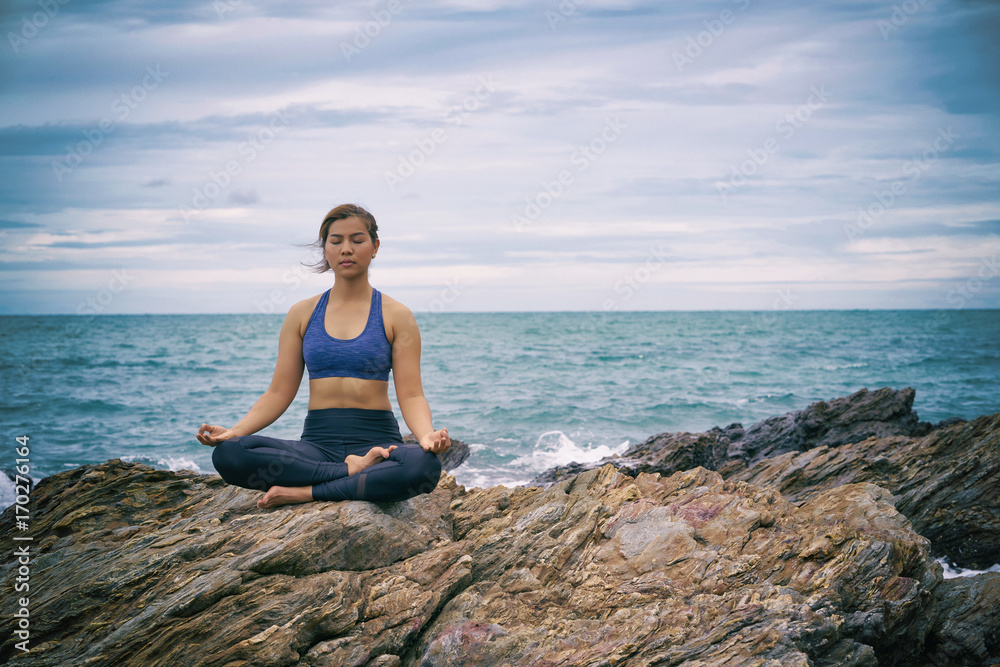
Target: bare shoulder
[301,311]
[400,325]
[395,312]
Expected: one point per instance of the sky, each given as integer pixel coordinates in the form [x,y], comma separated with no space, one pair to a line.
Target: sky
[518,156]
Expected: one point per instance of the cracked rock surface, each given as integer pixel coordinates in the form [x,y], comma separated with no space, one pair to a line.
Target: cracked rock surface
[785,566]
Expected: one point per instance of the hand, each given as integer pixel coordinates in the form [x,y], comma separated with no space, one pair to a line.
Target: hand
[436,442]
[212,435]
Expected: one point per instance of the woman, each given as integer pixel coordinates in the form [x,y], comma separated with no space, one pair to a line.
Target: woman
[349,338]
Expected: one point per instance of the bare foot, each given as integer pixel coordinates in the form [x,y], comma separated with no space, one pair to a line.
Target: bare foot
[356,464]
[285,495]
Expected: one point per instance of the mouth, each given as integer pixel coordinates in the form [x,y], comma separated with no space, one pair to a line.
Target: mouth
[347,262]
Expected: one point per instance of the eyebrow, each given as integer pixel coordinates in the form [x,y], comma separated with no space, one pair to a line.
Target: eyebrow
[342,236]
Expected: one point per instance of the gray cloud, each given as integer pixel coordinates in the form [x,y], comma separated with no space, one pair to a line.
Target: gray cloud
[163,185]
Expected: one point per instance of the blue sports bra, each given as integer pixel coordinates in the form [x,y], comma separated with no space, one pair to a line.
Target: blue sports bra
[367,357]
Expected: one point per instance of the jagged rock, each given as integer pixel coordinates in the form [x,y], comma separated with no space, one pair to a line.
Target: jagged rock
[136,566]
[947,482]
[967,618]
[853,418]
[451,459]
[849,419]
[947,475]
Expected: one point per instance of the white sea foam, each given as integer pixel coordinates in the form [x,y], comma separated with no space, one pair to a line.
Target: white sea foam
[554,448]
[174,463]
[840,367]
[952,572]
[476,477]
[8,490]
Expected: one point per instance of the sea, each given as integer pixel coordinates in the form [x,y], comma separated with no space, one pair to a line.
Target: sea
[526,391]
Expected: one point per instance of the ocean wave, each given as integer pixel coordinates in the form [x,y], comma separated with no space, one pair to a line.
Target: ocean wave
[470,477]
[174,463]
[554,448]
[8,490]
[840,367]
[763,398]
[953,572]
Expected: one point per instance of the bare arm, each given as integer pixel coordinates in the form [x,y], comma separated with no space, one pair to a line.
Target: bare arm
[409,389]
[281,392]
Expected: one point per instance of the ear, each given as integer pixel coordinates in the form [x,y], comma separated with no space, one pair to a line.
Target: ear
[375,245]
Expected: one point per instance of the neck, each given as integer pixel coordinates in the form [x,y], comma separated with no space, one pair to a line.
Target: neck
[354,289]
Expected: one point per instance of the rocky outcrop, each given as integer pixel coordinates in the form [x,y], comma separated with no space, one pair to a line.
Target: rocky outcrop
[967,619]
[947,482]
[137,566]
[841,421]
[820,555]
[946,476]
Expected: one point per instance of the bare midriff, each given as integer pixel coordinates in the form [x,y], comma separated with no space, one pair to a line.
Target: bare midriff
[343,392]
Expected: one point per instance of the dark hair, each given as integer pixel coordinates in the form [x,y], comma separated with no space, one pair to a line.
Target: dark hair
[340,213]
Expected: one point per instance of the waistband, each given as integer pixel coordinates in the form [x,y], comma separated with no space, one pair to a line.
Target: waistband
[326,413]
[351,426]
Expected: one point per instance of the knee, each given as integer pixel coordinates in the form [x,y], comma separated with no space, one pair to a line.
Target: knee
[424,471]
[225,457]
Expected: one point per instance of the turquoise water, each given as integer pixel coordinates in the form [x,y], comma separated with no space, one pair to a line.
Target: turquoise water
[526,390]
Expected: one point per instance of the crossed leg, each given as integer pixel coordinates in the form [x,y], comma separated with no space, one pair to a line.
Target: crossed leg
[297,471]
[287,495]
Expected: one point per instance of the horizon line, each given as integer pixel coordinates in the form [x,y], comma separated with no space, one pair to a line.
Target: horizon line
[551,312]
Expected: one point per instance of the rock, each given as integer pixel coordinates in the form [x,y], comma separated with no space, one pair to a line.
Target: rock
[137,566]
[451,459]
[967,618]
[840,421]
[854,418]
[947,476]
[947,482]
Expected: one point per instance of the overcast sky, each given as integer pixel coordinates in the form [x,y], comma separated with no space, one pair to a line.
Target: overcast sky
[601,154]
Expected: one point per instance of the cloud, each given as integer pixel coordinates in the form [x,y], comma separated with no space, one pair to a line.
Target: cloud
[14,224]
[453,118]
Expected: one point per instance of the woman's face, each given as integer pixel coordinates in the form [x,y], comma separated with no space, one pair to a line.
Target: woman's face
[349,248]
